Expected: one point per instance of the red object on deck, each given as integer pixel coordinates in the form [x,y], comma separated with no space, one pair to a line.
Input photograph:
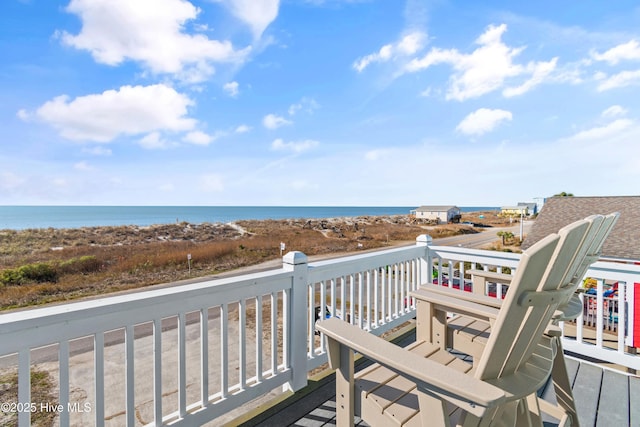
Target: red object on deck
[636,315]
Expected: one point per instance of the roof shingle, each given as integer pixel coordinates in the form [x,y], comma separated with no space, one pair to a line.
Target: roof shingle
[624,240]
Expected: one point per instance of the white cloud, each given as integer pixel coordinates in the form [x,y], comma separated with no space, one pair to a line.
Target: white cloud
[308,105]
[482,121]
[22,114]
[296,147]
[603,132]
[625,51]
[154,141]
[243,129]
[407,46]
[540,72]
[231,89]
[272,121]
[129,110]
[256,14]
[82,166]
[377,154]
[486,68]
[614,111]
[211,183]
[199,138]
[97,151]
[150,32]
[622,79]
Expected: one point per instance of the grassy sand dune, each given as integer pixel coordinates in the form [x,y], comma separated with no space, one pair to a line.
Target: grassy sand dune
[39,266]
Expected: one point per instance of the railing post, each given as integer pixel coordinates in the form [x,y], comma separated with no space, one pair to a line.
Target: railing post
[297,263]
[425,261]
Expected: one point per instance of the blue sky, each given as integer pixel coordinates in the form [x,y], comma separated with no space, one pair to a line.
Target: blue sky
[334,102]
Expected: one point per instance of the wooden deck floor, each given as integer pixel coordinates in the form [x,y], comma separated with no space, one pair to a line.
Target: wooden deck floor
[604,397]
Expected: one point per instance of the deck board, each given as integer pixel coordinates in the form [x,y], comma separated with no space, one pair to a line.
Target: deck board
[603,398]
[613,407]
[634,397]
[586,392]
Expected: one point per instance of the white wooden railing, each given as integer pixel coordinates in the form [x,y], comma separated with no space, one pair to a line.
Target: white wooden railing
[185,355]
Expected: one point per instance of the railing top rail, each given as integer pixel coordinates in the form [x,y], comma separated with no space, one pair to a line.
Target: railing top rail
[190,295]
[615,267]
[454,252]
[380,256]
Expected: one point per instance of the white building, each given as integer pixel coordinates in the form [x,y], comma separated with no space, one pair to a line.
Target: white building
[437,213]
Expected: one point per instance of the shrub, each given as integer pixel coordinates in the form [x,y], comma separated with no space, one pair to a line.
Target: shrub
[38,272]
[84,265]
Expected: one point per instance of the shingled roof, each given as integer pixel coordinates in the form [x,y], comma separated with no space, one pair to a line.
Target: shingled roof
[624,240]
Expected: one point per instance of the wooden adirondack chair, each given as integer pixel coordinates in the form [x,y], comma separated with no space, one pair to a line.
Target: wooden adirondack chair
[425,385]
[469,334]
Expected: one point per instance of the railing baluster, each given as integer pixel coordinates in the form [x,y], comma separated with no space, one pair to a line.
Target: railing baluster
[129,337]
[396,289]
[360,299]
[368,310]
[242,337]
[599,312]
[376,296]
[274,334]
[224,351]
[383,295]
[343,298]
[98,352]
[323,309]
[259,338]
[204,356]
[182,365]
[334,304]
[157,371]
[311,320]
[63,380]
[622,314]
[24,386]
[403,286]
[286,327]
[352,299]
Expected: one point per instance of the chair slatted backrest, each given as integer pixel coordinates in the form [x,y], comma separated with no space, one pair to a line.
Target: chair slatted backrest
[593,249]
[586,252]
[520,325]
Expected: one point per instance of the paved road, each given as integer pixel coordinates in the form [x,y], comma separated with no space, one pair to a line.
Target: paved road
[480,240]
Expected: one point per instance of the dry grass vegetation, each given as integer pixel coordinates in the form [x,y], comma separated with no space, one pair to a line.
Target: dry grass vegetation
[43,390]
[39,266]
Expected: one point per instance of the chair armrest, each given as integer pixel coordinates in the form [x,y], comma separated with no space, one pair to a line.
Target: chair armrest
[452,303]
[462,390]
[466,296]
[492,275]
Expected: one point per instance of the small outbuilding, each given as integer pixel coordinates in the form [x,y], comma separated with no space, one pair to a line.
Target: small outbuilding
[437,213]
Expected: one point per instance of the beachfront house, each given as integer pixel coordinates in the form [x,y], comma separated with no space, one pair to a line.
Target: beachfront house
[532,208]
[437,213]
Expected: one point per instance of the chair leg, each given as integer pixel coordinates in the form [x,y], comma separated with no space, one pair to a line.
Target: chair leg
[433,411]
[533,409]
[562,386]
[345,388]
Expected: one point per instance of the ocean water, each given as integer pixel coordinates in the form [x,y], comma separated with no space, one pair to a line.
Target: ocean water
[23,217]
